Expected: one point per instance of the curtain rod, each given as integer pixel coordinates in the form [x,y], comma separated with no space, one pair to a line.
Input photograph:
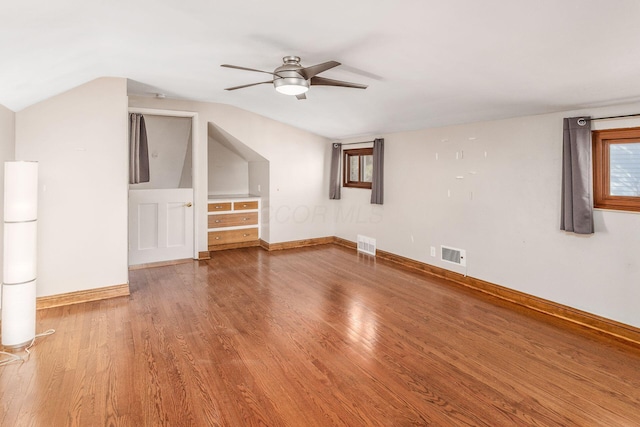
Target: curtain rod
[583,121]
[354,143]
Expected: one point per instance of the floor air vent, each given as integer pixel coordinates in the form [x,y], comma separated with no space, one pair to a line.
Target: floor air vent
[367,245]
[453,255]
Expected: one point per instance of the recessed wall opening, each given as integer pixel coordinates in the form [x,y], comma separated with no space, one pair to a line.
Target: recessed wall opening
[234,169]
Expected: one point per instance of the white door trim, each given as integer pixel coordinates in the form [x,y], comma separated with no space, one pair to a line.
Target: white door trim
[195,151]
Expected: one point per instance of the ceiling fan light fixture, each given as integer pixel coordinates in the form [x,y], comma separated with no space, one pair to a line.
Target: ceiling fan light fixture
[291,85]
[291,78]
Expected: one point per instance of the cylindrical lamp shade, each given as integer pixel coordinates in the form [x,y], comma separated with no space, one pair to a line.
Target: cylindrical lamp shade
[20,250]
[20,242]
[20,191]
[18,314]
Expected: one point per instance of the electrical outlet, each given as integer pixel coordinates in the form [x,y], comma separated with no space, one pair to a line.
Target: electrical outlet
[433,251]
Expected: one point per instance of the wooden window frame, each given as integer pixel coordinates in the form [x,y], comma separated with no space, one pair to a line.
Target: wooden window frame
[602,140]
[347,166]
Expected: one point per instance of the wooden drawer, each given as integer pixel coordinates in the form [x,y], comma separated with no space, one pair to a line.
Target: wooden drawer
[233,220]
[232,236]
[241,206]
[219,207]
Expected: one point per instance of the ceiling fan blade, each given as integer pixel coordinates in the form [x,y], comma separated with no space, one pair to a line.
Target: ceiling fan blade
[249,85]
[321,81]
[308,72]
[301,96]
[248,69]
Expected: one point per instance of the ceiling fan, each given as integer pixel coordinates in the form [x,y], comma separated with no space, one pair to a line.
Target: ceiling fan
[291,78]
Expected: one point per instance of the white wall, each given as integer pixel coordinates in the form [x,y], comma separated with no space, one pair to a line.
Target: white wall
[80,140]
[7,153]
[228,172]
[504,209]
[169,139]
[7,139]
[259,186]
[298,198]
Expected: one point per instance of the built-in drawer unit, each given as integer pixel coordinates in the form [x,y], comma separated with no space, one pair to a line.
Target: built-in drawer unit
[233,223]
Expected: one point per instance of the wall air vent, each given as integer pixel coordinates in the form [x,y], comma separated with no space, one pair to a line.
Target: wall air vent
[367,245]
[453,255]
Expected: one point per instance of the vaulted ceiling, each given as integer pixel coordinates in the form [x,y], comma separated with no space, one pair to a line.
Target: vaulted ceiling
[427,63]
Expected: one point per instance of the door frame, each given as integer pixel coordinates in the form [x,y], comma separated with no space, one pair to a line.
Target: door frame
[195,170]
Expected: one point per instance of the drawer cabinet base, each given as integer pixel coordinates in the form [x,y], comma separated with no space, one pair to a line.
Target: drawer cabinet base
[233,223]
[214,248]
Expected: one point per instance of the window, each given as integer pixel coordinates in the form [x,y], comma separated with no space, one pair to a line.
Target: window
[616,169]
[358,167]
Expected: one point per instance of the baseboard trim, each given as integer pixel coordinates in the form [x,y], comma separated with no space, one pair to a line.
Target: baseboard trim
[346,243]
[296,243]
[557,310]
[203,256]
[82,296]
[224,247]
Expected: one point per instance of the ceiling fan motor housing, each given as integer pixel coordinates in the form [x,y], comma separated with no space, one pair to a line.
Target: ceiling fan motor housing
[291,82]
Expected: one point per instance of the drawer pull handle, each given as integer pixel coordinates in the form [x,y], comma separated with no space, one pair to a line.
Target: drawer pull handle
[245,235]
[245,219]
[218,207]
[217,220]
[218,238]
[244,206]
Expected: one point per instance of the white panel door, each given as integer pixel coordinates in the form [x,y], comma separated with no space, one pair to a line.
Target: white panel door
[160,225]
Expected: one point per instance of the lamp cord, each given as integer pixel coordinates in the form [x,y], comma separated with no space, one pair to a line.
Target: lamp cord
[17,358]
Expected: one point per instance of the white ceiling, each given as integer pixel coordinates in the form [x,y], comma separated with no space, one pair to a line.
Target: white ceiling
[427,63]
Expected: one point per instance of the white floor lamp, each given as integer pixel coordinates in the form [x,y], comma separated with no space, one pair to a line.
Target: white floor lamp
[20,250]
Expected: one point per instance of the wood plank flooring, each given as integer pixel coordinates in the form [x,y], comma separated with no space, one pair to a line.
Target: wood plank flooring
[314,337]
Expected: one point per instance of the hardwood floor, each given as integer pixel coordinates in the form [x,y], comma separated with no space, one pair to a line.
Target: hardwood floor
[314,337]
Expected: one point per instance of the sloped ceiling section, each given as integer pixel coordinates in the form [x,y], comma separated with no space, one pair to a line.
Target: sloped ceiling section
[232,143]
[427,63]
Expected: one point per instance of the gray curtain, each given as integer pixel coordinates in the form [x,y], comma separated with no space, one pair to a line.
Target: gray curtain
[577,189]
[334,179]
[138,150]
[377,182]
